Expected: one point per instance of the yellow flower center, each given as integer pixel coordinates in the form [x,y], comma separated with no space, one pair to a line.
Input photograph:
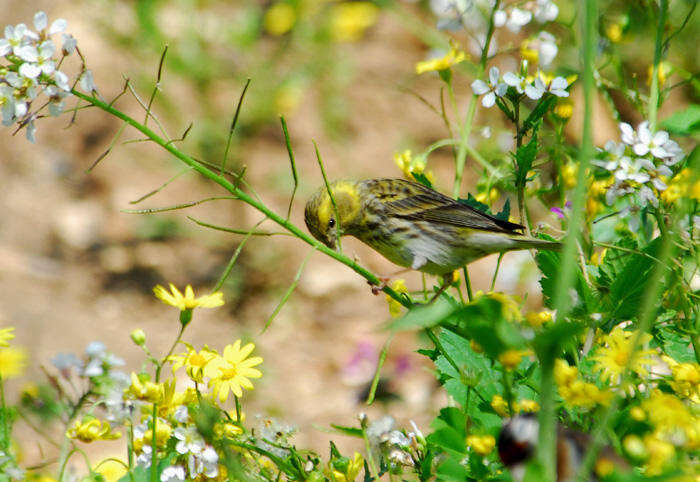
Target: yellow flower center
[621,357]
[228,373]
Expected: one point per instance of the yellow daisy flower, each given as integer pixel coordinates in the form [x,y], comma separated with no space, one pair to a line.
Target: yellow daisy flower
[234,370]
[6,335]
[12,362]
[187,301]
[612,359]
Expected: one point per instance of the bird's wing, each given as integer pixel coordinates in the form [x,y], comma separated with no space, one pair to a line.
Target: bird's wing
[417,202]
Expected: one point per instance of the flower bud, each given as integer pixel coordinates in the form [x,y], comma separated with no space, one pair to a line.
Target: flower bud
[138,337]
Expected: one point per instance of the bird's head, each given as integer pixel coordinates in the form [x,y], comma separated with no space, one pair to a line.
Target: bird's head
[327,222]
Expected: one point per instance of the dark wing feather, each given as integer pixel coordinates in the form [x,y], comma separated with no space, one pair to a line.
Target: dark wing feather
[421,203]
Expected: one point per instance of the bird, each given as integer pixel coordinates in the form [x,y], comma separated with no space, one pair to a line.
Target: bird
[517,444]
[412,225]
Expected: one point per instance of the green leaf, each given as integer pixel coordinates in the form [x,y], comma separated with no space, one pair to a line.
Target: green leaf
[524,157]
[350,431]
[629,286]
[504,215]
[684,122]
[545,104]
[549,263]
[421,178]
[424,316]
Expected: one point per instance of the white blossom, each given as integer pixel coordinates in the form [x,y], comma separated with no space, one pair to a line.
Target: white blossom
[494,88]
[517,19]
[546,48]
[546,11]
[173,473]
[189,440]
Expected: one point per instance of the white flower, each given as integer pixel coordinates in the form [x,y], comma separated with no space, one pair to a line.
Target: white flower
[16,37]
[536,90]
[181,414]
[189,440]
[61,80]
[174,473]
[87,83]
[144,458]
[492,89]
[627,134]
[69,44]
[58,26]
[206,463]
[514,80]
[547,48]
[650,143]
[28,53]
[518,18]
[546,11]
[499,18]
[95,349]
[40,20]
[557,86]
[451,13]
[7,100]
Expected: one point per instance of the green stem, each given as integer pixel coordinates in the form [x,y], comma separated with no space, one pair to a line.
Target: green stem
[5,424]
[243,196]
[154,445]
[658,51]
[562,300]
[468,121]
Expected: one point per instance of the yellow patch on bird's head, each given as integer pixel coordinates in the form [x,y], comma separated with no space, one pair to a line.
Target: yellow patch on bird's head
[320,213]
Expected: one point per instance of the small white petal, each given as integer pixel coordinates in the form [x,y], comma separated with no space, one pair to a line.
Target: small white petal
[501,89]
[488,100]
[628,135]
[59,25]
[640,149]
[69,44]
[479,87]
[494,75]
[31,132]
[28,53]
[659,184]
[533,92]
[30,71]
[644,133]
[499,18]
[5,47]
[40,20]
[511,79]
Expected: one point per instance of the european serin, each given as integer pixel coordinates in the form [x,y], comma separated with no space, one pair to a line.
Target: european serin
[412,225]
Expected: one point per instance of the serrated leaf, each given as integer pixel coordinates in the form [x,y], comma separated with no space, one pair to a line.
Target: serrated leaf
[422,179]
[684,122]
[524,157]
[549,263]
[473,203]
[504,215]
[543,106]
[629,286]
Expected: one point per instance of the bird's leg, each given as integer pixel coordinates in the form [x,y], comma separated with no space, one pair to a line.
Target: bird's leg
[447,280]
[384,281]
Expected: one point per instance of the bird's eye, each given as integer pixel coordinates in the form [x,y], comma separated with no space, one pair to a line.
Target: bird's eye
[331,223]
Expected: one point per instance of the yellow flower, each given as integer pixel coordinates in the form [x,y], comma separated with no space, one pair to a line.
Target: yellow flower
[614,32]
[481,444]
[686,378]
[569,174]
[453,57]
[500,406]
[351,472]
[349,20]
[510,308]
[6,335]
[604,467]
[537,319]
[574,391]
[234,369]
[12,362]
[163,433]
[663,72]
[660,453]
[529,406]
[672,419]
[90,429]
[409,165]
[488,197]
[112,470]
[395,307]
[145,389]
[612,358]
[564,108]
[279,18]
[194,362]
[510,359]
[187,301]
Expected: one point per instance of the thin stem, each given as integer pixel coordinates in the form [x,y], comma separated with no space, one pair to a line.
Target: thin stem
[243,196]
[562,300]
[5,425]
[471,110]
[654,90]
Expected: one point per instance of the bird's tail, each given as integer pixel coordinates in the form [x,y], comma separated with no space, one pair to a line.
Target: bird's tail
[524,242]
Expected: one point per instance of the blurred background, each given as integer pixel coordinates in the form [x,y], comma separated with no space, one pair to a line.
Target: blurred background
[75,268]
